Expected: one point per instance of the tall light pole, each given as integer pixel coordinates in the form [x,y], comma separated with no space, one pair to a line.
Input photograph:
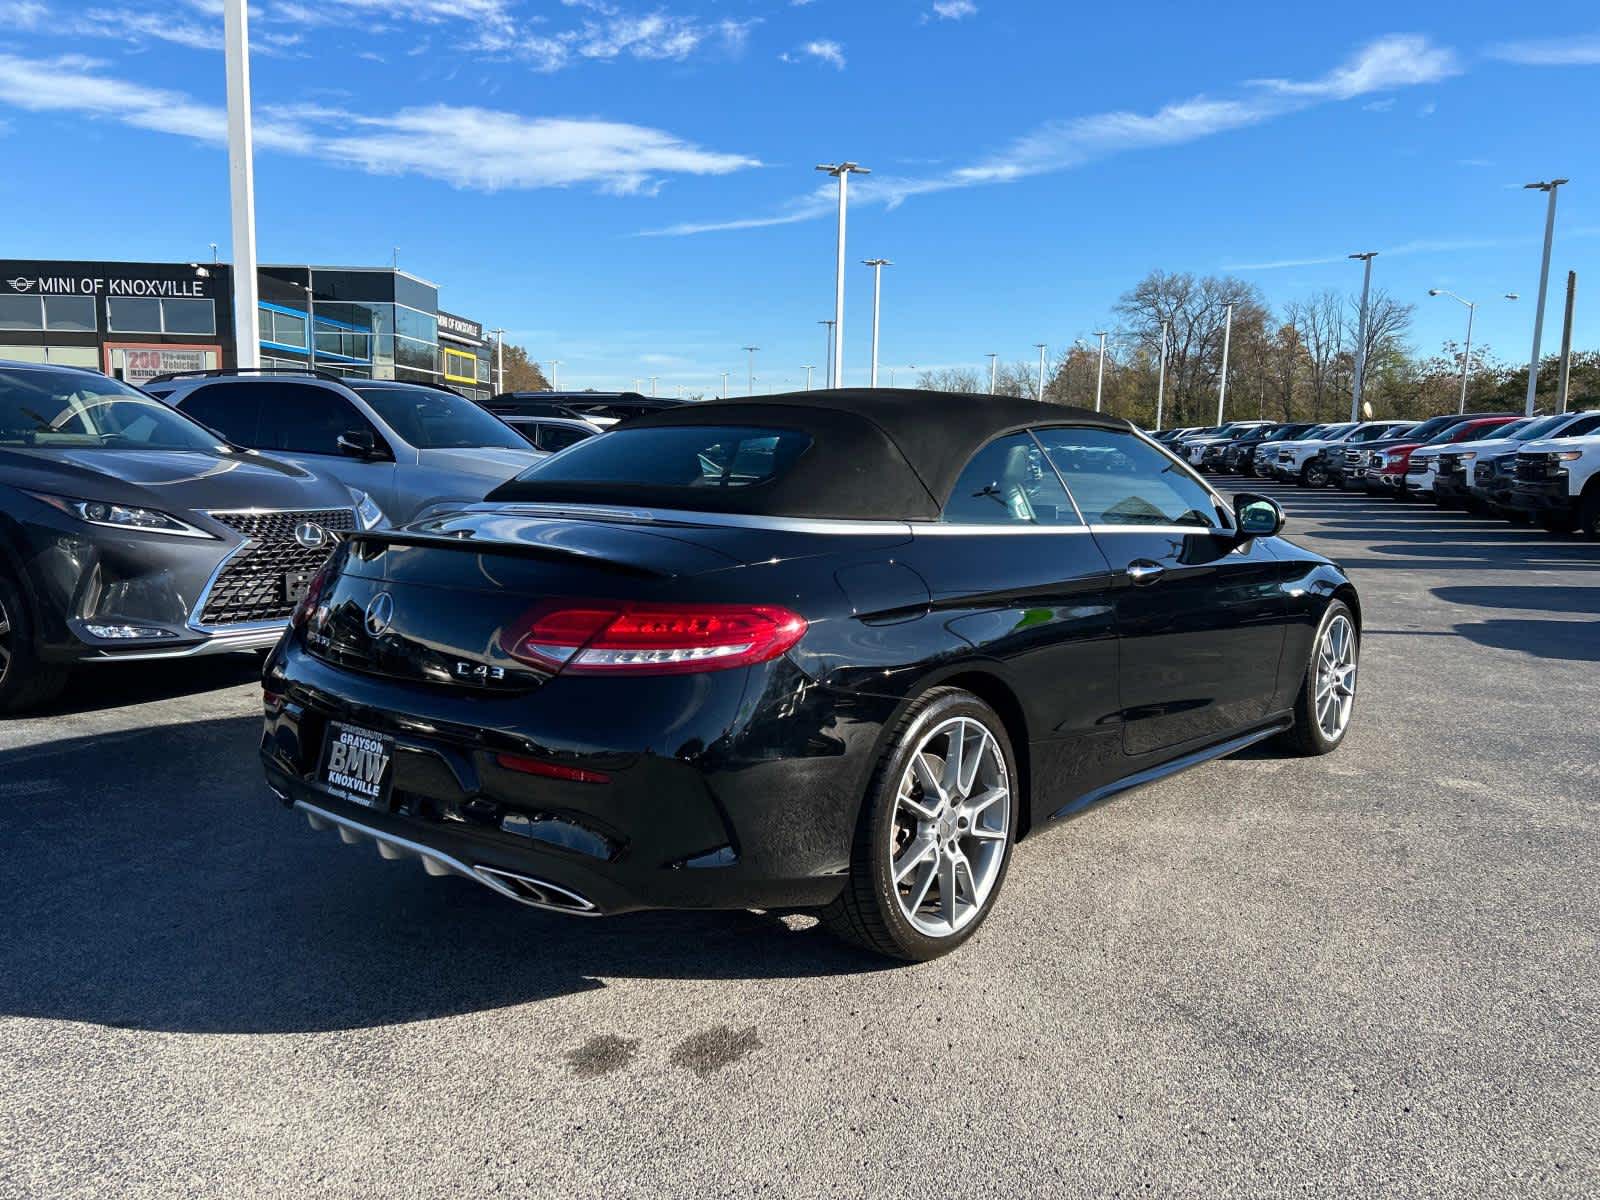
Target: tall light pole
[877,265]
[1549,187]
[809,368]
[653,379]
[555,374]
[1466,358]
[1227,339]
[829,324]
[242,184]
[311,323]
[841,172]
[1161,376]
[1564,378]
[751,351]
[1361,335]
[499,359]
[1040,347]
[1100,378]
[725,375]
[994,367]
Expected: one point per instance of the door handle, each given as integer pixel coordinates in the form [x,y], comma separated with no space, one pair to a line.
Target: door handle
[1144,572]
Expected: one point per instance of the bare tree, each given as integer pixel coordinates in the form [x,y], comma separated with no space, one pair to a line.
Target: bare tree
[951,379]
[1319,323]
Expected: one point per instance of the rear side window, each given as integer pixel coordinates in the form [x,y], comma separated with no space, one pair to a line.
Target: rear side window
[275,416]
[1582,426]
[232,409]
[693,457]
[1009,481]
[559,437]
[1118,479]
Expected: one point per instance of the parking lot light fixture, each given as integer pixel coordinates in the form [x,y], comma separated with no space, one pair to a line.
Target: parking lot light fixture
[653,379]
[1466,358]
[828,374]
[1227,340]
[877,265]
[725,384]
[994,361]
[241,183]
[1040,347]
[1161,376]
[809,368]
[1549,187]
[1366,258]
[555,374]
[842,172]
[1100,377]
[751,351]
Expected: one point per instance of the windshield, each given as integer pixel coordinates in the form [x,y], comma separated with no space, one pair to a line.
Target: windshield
[1284,434]
[1373,433]
[694,457]
[1537,429]
[50,409]
[1455,433]
[431,420]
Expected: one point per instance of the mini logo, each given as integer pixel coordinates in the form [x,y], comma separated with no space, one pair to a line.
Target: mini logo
[20,284]
[380,611]
[311,535]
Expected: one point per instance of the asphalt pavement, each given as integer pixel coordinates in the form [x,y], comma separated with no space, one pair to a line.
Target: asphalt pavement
[1373,974]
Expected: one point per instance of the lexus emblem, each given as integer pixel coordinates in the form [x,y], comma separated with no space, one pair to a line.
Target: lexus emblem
[311,535]
[380,611]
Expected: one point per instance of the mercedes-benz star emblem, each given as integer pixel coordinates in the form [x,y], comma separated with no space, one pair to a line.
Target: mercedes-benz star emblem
[380,611]
[311,535]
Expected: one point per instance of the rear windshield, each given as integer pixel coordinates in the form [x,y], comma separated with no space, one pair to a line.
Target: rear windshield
[432,420]
[693,457]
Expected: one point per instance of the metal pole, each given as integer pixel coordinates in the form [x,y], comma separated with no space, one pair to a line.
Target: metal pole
[828,372]
[1466,358]
[499,359]
[1361,335]
[1565,377]
[242,185]
[877,265]
[725,385]
[311,324]
[1227,339]
[1040,347]
[1161,377]
[809,369]
[1544,283]
[751,350]
[841,172]
[993,368]
[1100,376]
[555,374]
[653,379]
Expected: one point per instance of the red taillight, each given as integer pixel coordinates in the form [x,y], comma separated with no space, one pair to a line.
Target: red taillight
[313,596]
[584,637]
[534,766]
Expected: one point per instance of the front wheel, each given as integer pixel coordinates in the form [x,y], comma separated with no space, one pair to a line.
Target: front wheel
[1589,516]
[1327,697]
[25,682]
[1315,475]
[936,830]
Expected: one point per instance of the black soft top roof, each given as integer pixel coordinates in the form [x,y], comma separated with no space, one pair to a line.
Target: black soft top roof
[876,453]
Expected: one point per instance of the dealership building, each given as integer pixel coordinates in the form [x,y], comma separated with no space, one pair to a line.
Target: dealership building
[138,320]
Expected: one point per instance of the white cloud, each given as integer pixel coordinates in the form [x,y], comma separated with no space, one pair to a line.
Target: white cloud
[824,51]
[135,26]
[510,150]
[1062,144]
[954,10]
[609,32]
[1580,51]
[1398,60]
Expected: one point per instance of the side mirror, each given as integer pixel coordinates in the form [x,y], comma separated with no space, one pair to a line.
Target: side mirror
[357,443]
[1257,516]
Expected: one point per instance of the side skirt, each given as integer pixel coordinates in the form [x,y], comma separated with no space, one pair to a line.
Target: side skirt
[1151,775]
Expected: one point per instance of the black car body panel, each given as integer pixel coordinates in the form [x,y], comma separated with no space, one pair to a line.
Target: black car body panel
[743,787]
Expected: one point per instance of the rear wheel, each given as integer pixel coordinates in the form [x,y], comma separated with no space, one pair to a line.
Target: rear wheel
[936,830]
[1315,475]
[24,681]
[1327,698]
[1589,516]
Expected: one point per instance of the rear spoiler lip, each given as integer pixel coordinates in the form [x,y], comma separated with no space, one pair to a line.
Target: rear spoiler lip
[392,537]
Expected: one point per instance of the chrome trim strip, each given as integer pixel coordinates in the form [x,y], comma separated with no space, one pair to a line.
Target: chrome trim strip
[438,862]
[673,516]
[259,636]
[939,529]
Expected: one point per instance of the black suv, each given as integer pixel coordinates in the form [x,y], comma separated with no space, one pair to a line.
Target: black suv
[129,531]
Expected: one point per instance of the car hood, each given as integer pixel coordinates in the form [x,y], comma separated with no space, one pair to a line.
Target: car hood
[1487,445]
[487,462]
[1551,445]
[171,479]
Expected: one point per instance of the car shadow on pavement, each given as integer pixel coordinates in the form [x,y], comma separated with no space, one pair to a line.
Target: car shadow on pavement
[1528,597]
[112,685]
[156,884]
[1573,641]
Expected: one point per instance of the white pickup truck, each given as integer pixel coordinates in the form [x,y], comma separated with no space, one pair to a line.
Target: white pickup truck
[1558,484]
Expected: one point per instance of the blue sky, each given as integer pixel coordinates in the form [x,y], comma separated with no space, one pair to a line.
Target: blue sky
[628,187]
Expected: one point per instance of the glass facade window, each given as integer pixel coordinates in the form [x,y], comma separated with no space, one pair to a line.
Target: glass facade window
[69,314]
[416,355]
[410,323]
[189,316]
[129,314]
[282,327]
[21,312]
[460,366]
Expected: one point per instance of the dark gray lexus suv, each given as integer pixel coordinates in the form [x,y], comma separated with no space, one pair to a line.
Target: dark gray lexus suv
[129,531]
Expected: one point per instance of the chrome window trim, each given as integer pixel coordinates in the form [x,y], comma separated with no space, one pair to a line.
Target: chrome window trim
[675,516]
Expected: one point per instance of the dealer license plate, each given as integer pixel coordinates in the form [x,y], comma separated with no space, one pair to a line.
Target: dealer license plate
[357,764]
[295,585]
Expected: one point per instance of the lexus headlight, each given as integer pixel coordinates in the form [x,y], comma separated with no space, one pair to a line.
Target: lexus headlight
[122,516]
[368,514]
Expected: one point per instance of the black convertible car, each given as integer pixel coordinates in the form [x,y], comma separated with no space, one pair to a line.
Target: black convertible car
[838,650]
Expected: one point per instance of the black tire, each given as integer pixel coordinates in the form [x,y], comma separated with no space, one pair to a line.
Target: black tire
[25,682]
[1557,522]
[1307,738]
[1515,515]
[1589,516]
[868,911]
[1314,475]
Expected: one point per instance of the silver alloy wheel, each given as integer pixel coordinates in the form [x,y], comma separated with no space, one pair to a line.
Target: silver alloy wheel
[1336,677]
[5,641]
[951,822]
